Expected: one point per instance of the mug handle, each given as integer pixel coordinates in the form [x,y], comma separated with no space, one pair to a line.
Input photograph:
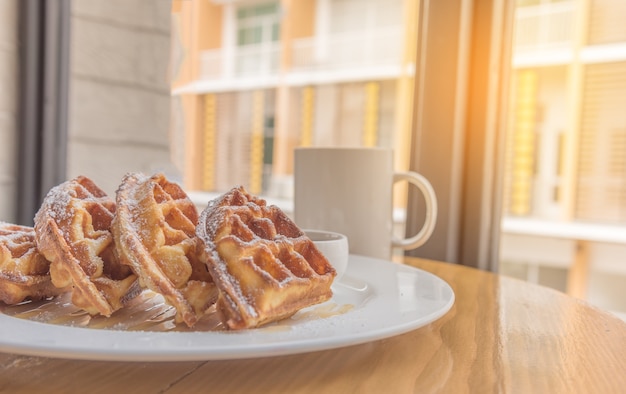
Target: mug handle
[431,210]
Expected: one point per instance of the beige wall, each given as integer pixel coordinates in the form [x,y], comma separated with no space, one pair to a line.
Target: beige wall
[119,117]
[9,57]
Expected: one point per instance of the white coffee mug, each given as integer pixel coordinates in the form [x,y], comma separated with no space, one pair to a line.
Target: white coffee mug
[350,191]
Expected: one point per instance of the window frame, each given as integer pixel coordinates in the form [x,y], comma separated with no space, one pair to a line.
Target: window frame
[459,126]
[44,97]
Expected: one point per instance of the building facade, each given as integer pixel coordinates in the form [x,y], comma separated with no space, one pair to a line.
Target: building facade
[567,139]
[252,80]
[565,188]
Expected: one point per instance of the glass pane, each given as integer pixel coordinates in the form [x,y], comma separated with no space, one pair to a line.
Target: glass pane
[243,12]
[250,35]
[252,11]
[266,9]
[361,36]
[567,122]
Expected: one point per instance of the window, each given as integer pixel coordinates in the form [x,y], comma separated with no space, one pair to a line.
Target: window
[258,29]
[247,122]
[418,75]
[257,24]
[565,184]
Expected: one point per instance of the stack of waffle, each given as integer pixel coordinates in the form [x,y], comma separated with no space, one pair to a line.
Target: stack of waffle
[240,257]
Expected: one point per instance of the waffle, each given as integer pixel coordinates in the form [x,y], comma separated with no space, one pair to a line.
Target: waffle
[24,272]
[154,231]
[72,229]
[265,267]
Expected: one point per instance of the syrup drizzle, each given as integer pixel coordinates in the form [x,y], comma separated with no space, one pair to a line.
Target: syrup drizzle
[149,312]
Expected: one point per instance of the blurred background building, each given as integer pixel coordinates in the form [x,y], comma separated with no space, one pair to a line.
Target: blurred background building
[252,80]
[565,188]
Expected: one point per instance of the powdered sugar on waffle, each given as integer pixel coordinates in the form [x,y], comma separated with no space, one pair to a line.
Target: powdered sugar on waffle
[73,231]
[24,272]
[153,228]
[265,266]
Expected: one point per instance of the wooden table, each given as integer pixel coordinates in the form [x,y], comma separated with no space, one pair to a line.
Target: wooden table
[502,335]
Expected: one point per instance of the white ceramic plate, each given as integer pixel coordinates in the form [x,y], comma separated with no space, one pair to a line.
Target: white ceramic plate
[375,299]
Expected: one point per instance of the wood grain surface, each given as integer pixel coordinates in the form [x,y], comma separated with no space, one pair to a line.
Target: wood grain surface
[502,335]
